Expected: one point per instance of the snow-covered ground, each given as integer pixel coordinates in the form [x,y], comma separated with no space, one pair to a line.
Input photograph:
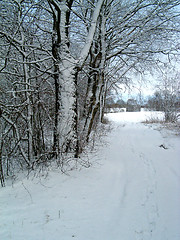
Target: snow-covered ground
[131,192]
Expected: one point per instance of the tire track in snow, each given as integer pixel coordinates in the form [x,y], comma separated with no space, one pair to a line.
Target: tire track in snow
[146,196]
[149,202]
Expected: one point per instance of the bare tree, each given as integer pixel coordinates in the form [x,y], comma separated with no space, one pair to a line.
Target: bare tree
[139,33]
[66,70]
[25,69]
[169,91]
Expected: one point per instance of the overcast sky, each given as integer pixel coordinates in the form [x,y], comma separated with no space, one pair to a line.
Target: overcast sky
[144,87]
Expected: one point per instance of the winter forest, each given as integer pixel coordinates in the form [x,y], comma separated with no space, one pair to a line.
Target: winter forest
[59,61]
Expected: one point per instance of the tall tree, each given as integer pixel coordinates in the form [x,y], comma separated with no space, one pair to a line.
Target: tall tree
[66,70]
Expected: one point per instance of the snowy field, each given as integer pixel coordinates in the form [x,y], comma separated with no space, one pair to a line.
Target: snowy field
[131,192]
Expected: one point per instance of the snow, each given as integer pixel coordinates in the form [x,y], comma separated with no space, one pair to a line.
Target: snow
[131,192]
[135,116]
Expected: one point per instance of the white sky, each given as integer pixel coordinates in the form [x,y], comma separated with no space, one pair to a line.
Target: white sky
[141,87]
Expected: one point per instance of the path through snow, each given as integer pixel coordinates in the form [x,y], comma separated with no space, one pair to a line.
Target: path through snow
[132,193]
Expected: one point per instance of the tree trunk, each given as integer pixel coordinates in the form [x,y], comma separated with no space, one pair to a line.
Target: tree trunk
[67,119]
[66,112]
[97,91]
[1,149]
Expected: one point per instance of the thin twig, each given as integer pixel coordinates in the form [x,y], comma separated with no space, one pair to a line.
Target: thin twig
[28,192]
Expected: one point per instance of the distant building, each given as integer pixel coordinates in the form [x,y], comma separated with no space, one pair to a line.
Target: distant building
[115,110]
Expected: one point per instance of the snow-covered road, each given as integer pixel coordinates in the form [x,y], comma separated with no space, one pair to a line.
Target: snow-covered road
[132,192]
